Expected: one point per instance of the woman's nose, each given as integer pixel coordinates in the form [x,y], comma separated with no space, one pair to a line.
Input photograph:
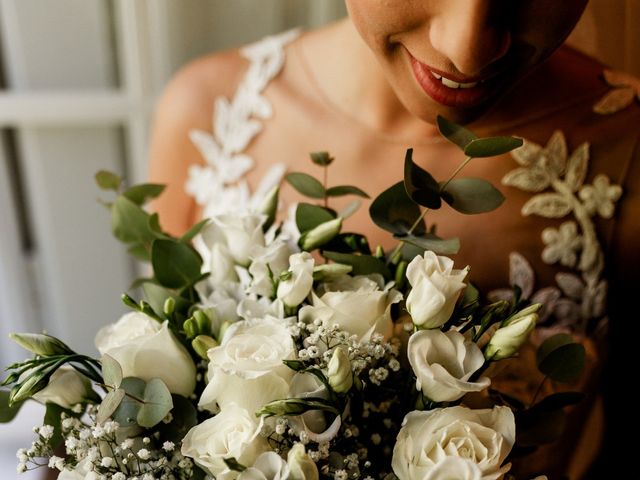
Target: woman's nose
[469,35]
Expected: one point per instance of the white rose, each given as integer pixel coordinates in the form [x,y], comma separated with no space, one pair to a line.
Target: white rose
[457,468]
[508,339]
[436,287]
[427,438]
[294,290]
[66,387]
[234,432]
[356,304]
[443,364]
[267,263]
[247,367]
[301,465]
[146,349]
[268,466]
[241,233]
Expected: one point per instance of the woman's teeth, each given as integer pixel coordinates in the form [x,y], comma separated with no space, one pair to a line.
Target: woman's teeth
[451,84]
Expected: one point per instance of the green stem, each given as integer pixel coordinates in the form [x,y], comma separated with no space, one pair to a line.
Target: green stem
[325,184]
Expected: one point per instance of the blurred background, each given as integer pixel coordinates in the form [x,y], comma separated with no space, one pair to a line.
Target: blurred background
[78,81]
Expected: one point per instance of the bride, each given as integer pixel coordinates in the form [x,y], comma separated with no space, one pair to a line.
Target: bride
[368,87]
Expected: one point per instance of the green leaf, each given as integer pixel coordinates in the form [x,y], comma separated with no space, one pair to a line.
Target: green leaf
[185,417]
[420,185]
[560,358]
[157,404]
[349,243]
[8,411]
[140,194]
[310,216]
[342,190]
[295,365]
[175,264]
[193,231]
[110,404]
[492,146]
[233,464]
[361,264]
[539,428]
[306,185]
[111,371]
[127,412]
[322,158]
[139,251]
[108,180]
[155,295]
[394,211]
[429,241]
[130,223]
[557,401]
[472,195]
[41,344]
[455,133]
[52,415]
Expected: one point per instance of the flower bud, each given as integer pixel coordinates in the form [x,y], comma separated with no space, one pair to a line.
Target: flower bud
[32,385]
[190,327]
[323,233]
[269,207]
[203,322]
[329,271]
[339,371]
[41,344]
[169,306]
[202,344]
[508,339]
[301,467]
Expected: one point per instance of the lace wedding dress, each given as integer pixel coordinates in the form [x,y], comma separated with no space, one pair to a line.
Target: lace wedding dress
[556,174]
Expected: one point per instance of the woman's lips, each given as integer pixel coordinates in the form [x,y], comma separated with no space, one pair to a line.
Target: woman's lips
[449,91]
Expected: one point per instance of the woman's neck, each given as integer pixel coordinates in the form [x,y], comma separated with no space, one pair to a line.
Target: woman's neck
[352,80]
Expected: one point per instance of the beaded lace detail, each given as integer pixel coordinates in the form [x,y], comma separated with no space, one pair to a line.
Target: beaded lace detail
[557,179]
[219,186]
[625,88]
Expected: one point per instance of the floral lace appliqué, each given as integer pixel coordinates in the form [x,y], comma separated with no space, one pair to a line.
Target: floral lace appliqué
[219,186]
[626,88]
[557,177]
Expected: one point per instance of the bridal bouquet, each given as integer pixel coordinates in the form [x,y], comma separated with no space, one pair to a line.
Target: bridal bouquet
[267,350]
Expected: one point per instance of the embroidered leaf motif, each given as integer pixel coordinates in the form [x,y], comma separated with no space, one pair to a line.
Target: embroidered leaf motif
[547,297]
[614,101]
[577,167]
[598,299]
[557,153]
[571,285]
[531,179]
[567,312]
[527,153]
[621,79]
[549,205]
[521,274]
[589,256]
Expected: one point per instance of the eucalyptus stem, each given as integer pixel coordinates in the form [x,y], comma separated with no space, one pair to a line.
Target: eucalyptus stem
[424,212]
[325,172]
[535,396]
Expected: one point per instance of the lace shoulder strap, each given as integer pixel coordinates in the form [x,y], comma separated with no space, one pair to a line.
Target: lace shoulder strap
[219,186]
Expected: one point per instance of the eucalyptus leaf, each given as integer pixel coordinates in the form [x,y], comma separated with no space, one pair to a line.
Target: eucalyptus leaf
[361,264]
[560,358]
[309,216]
[321,158]
[431,242]
[394,211]
[175,264]
[306,185]
[455,133]
[157,403]
[111,371]
[140,194]
[155,295]
[130,223]
[110,404]
[8,411]
[472,195]
[539,428]
[140,252]
[491,146]
[193,231]
[342,190]
[127,412]
[108,180]
[185,417]
[420,185]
